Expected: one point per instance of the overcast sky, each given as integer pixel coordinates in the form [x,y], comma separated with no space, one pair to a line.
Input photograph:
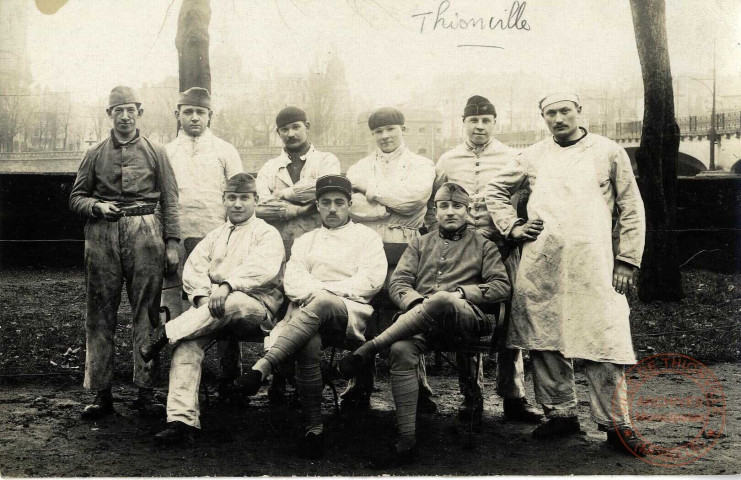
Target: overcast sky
[89,46]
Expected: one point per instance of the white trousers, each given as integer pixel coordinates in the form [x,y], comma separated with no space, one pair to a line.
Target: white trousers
[192,331]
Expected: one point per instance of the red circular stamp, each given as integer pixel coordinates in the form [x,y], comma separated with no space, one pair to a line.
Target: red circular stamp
[674,404]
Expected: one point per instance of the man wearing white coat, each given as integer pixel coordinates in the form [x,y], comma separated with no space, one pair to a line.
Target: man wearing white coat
[568,298]
[202,163]
[233,279]
[391,187]
[332,274]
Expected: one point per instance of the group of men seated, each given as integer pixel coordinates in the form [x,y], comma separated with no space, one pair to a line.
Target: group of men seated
[445,282]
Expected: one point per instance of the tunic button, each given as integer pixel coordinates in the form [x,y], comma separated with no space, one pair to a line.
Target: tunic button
[446,243]
[477,173]
[439,273]
[477,164]
[442,258]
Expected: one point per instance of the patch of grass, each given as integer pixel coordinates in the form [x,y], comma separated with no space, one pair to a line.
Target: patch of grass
[705,325]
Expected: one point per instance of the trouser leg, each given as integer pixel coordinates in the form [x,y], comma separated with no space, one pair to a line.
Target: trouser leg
[103,284]
[198,322]
[303,325]
[404,359]
[143,259]
[608,394]
[510,374]
[230,359]
[185,378]
[309,383]
[553,379]
[470,375]
[242,319]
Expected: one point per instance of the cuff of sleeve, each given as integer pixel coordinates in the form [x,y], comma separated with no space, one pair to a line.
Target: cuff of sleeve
[411,298]
[629,261]
[198,293]
[472,293]
[91,212]
[513,224]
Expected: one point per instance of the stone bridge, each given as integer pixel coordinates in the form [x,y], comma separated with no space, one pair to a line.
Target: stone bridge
[694,146]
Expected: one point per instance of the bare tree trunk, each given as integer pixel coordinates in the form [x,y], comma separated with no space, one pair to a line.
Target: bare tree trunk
[192,42]
[657,156]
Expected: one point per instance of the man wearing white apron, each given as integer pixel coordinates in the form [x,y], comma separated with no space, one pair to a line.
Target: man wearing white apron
[568,298]
[202,163]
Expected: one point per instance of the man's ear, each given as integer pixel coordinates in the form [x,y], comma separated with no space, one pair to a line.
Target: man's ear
[257,197]
[403,128]
[308,125]
[578,109]
[177,114]
[141,112]
[109,112]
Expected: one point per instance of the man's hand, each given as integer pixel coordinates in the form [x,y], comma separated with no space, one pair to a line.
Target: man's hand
[172,257]
[218,300]
[309,298]
[361,185]
[528,231]
[623,277]
[108,211]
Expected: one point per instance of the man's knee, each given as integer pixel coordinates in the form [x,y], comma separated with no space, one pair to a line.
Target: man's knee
[325,302]
[404,355]
[440,303]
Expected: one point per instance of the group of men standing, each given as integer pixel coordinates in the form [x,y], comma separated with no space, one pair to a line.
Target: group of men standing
[566,290]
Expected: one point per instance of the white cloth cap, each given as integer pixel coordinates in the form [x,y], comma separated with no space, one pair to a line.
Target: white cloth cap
[558,97]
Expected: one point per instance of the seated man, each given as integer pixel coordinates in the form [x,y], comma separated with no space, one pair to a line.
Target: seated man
[441,281]
[233,280]
[333,273]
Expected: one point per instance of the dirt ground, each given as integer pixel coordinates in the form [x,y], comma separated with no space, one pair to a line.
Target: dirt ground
[42,352]
[41,435]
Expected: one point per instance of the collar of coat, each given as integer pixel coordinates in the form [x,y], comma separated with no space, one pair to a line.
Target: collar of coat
[454,235]
[285,159]
[184,137]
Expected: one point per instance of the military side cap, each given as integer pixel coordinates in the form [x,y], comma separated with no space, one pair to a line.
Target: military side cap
[558,97]
[451,192]
[241,183]
[478,105]
[329,183]
[196,96]
[289,115]
[385,116]
[121,95]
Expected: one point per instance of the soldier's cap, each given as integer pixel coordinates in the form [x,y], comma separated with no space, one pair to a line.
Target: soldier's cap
[121,95]
[385,116]
[196,96]
[289,115]
[241,183]
[451,192]
[328,183]
[478,105]
[558,97]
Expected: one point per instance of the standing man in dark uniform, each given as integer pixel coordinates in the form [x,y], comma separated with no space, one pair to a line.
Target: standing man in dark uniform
[126,188]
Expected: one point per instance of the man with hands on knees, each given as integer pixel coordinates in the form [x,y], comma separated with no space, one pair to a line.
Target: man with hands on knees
[568,298]
[126,188]
[441,283]
[233,279]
